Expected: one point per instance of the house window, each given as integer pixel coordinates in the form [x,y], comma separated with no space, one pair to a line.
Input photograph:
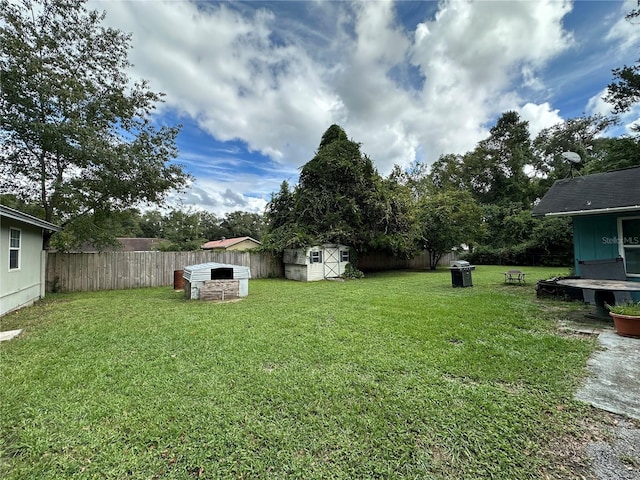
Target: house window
[316,257]
[344,255]
[14,248]
[629,242]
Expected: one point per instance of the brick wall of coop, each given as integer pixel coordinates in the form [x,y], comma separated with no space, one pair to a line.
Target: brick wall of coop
[220,289]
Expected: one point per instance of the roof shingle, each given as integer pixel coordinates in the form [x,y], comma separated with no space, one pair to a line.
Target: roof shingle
[618,190]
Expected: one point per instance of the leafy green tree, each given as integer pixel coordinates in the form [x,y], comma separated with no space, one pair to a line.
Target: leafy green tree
[394,227]
[449,172]
[613,153]
[495,171]
[496,167]
[77,134]
[281,228]
[624,91]
[575,135]
[210,226]
[553,238]
[280,210]
[242,224]
[125,223]
[152,224]
[14,201]
[507,225]
[182,230]
[448,219]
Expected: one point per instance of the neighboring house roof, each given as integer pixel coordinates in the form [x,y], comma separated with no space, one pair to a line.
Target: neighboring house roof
[227,242]
[610,192]
[30,219]
[139,244]
[127,244]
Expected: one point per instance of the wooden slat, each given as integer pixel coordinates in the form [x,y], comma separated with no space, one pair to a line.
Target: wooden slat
[120,270]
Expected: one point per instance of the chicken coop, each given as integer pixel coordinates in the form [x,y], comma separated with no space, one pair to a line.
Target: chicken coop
[216,281]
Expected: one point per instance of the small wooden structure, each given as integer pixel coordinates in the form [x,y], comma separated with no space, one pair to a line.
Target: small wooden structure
[315,263]
[216,281]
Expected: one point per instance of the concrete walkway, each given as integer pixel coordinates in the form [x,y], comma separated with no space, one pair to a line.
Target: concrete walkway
[9,334]
[614,384]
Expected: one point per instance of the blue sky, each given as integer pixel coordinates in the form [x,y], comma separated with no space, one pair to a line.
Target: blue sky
[256,84]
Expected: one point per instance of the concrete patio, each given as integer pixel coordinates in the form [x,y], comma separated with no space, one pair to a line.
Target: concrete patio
[614,384]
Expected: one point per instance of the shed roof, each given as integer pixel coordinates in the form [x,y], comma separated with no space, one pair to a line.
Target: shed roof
[610,192]
[26,218]
[227,242]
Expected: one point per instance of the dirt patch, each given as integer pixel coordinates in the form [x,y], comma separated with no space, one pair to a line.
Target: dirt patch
[603,446]
[618,459]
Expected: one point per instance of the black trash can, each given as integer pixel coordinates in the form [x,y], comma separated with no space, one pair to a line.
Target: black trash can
[461,274]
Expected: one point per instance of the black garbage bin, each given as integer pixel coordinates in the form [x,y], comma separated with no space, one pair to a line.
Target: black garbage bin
[461,274]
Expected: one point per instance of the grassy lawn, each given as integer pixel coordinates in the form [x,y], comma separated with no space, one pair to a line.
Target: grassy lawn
[397,375]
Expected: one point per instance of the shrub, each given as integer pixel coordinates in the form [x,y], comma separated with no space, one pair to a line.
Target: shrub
[350,271]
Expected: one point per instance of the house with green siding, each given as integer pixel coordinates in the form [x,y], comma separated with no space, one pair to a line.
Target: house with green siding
[22,259]
[605,210]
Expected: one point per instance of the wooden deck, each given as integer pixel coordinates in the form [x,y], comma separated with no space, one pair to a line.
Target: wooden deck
[595,284]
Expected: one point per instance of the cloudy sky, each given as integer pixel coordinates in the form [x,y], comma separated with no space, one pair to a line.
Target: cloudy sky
[256,84]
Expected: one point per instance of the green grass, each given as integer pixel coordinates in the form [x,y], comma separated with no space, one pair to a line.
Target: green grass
[397,375]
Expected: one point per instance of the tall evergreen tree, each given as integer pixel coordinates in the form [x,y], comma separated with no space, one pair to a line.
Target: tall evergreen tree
[341,198]
[337,191]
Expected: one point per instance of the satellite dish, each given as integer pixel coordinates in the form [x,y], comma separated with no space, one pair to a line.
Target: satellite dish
[572,157]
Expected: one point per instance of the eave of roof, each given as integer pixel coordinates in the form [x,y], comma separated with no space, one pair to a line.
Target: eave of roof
[26,218]
[597,211]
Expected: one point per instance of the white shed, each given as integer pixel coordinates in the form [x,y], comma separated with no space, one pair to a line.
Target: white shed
[216,281]
[315,263]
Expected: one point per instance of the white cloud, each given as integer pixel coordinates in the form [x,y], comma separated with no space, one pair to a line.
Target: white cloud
[598,106]
[626,121]
[471,56]
[223,69]
[624,33]
[218,197]
[277,83]
[539,117]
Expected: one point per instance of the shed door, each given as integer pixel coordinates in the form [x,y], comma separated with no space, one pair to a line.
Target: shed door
[332,263]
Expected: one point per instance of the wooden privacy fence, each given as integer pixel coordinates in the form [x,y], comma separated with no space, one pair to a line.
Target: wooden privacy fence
[380,261]
[73,272]
[78,272]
